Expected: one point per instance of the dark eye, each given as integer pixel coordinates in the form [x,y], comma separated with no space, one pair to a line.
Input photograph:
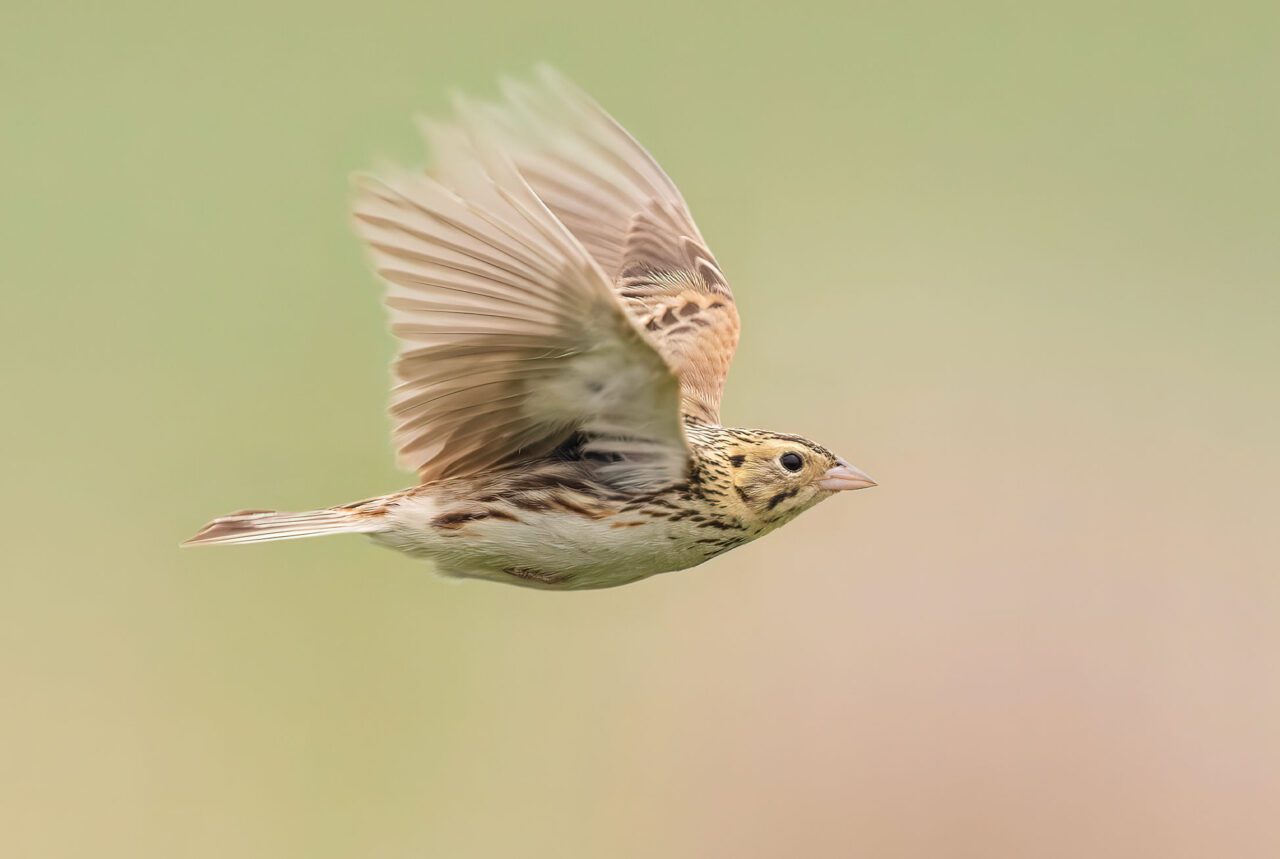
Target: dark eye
[791,461]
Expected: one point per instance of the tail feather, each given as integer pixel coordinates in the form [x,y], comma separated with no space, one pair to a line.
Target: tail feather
[258,526]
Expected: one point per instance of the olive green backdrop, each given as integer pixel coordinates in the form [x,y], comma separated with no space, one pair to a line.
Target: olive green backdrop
[1019,261]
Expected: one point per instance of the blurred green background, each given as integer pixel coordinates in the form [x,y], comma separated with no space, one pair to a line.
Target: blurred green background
[1019,261]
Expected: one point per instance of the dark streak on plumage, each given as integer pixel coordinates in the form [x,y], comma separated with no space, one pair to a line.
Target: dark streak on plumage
[780,497]
[531,503]
[454,521]
[725,524]
[581,510]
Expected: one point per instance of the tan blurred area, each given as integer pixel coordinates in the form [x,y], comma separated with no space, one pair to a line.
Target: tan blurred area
[1017,261]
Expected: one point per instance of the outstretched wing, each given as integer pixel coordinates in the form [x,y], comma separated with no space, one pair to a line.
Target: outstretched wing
[628,214]
[511,339]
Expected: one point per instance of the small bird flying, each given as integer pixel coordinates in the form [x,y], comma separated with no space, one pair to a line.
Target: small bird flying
[564,337]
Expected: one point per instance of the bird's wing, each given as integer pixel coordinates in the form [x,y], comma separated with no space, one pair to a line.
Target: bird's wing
[511,339]
[619,204]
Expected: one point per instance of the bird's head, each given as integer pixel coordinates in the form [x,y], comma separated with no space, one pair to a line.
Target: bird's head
[775,477]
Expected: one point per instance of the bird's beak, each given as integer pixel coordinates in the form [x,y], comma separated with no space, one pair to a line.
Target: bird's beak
[844,476]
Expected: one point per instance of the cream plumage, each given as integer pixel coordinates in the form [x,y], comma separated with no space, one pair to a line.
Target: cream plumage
[564,339]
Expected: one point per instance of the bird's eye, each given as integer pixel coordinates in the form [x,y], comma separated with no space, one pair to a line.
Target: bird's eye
[791,461]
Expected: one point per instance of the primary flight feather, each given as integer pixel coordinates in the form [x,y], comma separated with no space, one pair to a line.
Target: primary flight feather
[564,337]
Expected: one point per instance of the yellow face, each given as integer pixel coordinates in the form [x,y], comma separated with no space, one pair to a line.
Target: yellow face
[776,477]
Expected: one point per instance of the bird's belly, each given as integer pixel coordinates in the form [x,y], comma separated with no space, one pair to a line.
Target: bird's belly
[554,550]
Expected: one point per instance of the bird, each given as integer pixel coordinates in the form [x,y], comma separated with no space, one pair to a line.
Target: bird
[564,334]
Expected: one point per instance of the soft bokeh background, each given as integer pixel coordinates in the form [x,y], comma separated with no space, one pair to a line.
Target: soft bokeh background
[1019,261]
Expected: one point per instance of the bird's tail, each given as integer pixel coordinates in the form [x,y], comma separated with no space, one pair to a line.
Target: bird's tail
[258,526]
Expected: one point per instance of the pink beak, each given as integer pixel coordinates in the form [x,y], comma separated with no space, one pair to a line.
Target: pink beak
[844,476]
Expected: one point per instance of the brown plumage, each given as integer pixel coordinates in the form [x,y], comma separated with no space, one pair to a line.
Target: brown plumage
[564,335]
